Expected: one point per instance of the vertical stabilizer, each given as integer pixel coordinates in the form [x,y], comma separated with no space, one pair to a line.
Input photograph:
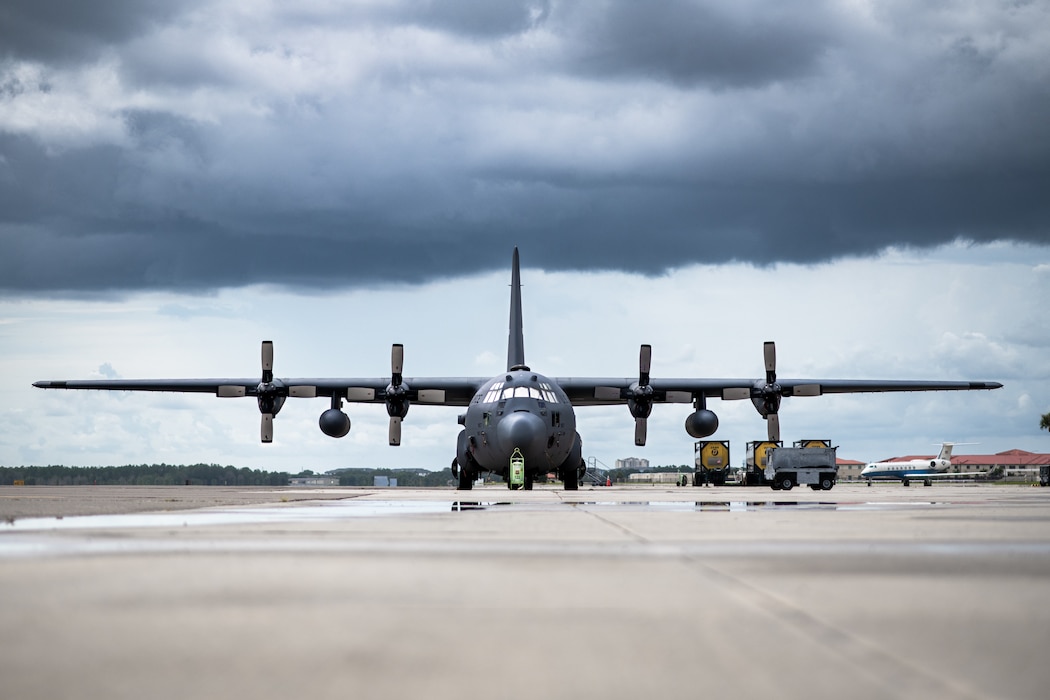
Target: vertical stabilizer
[515,338]
[946,451]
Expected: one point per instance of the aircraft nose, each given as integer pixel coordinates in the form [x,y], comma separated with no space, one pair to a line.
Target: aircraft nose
[523,430]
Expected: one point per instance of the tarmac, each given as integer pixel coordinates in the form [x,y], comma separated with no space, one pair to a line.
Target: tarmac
[613,592]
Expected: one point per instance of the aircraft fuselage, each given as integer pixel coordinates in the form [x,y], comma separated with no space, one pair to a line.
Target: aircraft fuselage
[525,411]
[913,469]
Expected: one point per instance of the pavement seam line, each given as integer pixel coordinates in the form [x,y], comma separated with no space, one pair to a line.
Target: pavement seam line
[862,654]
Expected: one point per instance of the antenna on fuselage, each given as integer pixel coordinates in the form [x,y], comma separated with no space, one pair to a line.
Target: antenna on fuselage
[515,337]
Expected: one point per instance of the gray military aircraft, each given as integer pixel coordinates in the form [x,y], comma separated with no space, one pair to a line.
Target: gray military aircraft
[519,424]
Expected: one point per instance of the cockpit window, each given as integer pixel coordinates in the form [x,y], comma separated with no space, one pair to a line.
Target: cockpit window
[541,393]
[548,394]
[500,391]
[493,393]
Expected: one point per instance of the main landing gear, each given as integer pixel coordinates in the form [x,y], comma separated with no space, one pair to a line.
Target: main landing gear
[465,473]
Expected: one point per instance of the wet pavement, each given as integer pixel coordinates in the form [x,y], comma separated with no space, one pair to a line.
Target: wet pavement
[881,592]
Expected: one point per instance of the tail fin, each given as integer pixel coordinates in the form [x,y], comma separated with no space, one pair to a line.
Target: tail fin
[516,337]
[946,449]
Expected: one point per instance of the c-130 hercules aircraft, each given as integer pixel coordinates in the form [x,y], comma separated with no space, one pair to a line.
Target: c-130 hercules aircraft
[520,420]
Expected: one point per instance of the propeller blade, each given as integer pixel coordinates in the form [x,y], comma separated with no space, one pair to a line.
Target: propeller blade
[769,352]
[266,427]
[227,391]
[303,392]
[397,362]
[732,394]
[806,390]
[645,362]
[267,361]
[639,431]
[773,427]
[360,393]
[679,397]
[396,393]
[607,393]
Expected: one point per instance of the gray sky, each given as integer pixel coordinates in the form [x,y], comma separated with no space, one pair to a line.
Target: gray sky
[180,180]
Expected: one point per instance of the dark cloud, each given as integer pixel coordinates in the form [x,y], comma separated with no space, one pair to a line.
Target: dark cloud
[105,243]
[478,18]
[692,43]
[69,30]
[637,136]
[41,190]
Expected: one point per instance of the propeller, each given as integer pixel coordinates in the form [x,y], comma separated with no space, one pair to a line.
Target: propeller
[766,396]
[640,395]
[396,393]
[770,392]
[270,394]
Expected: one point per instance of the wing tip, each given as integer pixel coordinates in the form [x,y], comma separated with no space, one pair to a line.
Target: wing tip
[986,385]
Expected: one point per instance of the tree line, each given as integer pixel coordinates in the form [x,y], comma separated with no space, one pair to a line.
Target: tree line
[217,475]
[205,475]
[142,475]
[411,478]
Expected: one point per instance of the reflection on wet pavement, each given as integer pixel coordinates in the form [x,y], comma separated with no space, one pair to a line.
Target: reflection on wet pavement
[359,508]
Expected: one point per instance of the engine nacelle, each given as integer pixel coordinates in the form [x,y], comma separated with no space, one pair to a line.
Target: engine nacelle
[701,423]
[769,402]
[334,423]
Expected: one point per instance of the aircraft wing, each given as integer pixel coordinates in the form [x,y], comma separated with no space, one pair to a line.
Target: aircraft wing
[201,386]
[398,392]
[440,391]
[642,393]
[939,475]
[435,391]
[585,391]
[608,391]
[856,386]
[582,391]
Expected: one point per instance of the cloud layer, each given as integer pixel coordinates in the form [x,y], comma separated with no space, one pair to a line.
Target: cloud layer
[210,144]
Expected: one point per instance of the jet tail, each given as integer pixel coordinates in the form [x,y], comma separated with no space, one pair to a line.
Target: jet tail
[946,449]
[515,337]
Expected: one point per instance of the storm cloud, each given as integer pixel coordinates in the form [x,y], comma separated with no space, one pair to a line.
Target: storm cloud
[199,145]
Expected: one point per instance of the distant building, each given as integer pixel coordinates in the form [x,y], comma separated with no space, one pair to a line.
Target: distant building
[313,481]
[657,477]
[849,469]
[632,463]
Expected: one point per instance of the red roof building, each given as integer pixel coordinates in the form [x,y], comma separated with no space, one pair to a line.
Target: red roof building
[849,469]
[1010,459]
